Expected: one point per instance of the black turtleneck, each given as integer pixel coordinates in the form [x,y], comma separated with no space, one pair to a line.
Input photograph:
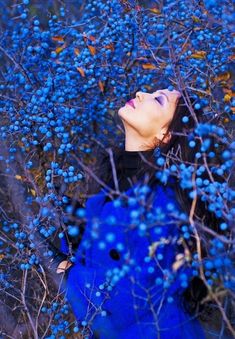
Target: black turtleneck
[131,163]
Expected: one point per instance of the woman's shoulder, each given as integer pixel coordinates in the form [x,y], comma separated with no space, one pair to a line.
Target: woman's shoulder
[95,200]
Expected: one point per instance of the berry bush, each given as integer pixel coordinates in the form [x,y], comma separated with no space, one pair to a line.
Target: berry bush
[66,68]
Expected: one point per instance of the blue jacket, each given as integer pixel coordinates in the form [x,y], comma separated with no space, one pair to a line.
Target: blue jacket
[124,283]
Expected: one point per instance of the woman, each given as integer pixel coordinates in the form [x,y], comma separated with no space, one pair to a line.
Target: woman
[132,269]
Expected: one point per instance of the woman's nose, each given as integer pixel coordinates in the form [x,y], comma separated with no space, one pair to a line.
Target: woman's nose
[139,95]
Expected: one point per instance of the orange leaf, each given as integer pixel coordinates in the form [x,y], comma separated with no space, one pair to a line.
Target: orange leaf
[92,49]
[76,51]
[20,143]
[195,18]
[227,98]
[198,55]
[149,66]
[144,45]
[232,57]
[162,65]
[101,86]
[92,38]
[222,77]
[32,191]
[110,46]
[81,71]
[184,47]
[59,49]
[155,10]
[18,177]
[58,38]
[228,91]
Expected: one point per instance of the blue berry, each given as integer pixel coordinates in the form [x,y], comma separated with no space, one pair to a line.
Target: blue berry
[185,119]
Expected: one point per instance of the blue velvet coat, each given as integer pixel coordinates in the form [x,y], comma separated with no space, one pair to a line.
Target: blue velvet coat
[123,284]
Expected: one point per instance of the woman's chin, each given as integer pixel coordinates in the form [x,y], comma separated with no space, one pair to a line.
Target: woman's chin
[126,107]
[121,110]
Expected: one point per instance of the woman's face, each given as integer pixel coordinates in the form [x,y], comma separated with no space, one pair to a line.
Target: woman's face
[151,114]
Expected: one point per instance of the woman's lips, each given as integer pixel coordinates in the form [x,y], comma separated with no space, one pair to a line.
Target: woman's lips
[131,103]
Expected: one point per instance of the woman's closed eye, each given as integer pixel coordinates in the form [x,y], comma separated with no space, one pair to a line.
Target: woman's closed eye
[160,99]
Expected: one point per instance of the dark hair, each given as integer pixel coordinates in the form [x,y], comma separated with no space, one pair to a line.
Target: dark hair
[176,150]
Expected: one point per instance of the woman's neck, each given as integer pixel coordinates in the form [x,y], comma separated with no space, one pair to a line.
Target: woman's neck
[135,142]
